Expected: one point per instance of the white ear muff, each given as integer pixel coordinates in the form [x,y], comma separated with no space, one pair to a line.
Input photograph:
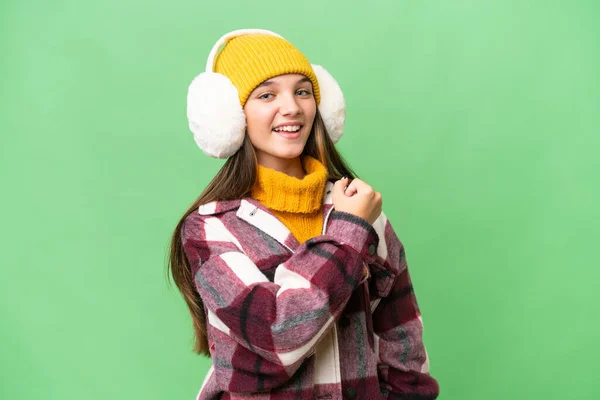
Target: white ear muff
[332,106]
[215,115]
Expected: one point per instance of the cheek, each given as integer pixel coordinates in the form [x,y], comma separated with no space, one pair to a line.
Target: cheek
[310,111]
[259,119]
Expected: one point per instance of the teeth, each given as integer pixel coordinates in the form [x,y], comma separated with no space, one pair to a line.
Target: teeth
[291,128]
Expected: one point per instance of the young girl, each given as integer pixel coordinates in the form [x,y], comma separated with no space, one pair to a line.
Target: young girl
[296,282]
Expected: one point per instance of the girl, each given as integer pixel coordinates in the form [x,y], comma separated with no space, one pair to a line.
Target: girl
[296,282]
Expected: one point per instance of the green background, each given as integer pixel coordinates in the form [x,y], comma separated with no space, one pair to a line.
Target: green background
[477,120]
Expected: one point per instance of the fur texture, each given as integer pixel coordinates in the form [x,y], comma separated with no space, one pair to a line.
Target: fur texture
[215,115]
[333,105]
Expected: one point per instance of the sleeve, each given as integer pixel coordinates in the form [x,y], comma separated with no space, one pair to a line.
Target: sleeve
[403,366]
[280,321]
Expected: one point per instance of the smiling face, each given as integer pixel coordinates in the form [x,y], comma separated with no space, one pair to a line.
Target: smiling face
[279,116]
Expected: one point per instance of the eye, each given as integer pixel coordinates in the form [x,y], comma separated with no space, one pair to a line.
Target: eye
[265,96]
[303,92]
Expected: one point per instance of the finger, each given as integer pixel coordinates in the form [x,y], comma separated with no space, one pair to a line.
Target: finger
[350,191]
[358,186]
[340,184]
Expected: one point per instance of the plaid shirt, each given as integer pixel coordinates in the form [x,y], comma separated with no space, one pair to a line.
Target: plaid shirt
[332,318]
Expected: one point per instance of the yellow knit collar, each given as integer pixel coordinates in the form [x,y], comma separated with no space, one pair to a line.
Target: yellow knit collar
[281,192]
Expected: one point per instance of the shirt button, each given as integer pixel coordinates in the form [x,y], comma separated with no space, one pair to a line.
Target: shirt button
[345,322]
[372,249]
[351,392]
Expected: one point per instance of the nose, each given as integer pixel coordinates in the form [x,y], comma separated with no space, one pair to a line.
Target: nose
[289,105]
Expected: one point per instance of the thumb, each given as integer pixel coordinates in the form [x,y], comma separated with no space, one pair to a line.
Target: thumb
[340,185]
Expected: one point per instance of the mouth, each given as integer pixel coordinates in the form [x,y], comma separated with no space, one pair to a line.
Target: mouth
[289,131]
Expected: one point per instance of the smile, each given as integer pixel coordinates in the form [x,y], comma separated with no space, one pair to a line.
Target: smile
[289,131]
[288,128]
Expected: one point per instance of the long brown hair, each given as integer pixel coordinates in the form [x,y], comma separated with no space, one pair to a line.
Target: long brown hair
[234,181]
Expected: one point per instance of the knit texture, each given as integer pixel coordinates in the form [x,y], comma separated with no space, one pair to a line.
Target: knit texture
[296,202]
[249,60]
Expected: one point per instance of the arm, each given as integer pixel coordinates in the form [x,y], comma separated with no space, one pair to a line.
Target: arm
[279,321]
[403,364]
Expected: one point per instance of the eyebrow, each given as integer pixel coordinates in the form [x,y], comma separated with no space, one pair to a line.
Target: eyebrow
[270,82]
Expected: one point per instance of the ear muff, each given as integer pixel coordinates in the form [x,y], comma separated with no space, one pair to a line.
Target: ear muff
[215,115]
[333,105]
[217,119]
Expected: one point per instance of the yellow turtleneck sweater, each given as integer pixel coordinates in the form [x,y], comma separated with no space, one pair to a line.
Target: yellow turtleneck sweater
[298,203]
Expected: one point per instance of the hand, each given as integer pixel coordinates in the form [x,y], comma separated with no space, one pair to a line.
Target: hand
[357,198]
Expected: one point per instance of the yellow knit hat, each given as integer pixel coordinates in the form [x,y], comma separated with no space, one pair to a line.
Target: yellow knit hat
[249,60]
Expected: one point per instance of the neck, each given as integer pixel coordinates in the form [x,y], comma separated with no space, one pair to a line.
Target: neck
[288,166]
[282,192]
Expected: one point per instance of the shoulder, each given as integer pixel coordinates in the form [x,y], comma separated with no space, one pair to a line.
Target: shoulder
[210,216]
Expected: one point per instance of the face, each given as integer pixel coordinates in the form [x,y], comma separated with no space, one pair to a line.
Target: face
[279,117]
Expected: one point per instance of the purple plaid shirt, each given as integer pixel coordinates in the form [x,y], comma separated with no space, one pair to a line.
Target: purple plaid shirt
[332,318]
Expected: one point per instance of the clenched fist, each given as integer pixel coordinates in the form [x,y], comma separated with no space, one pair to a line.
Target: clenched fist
[357,198]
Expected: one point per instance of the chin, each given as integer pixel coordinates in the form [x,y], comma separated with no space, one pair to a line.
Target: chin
[288,154]
[289,151]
